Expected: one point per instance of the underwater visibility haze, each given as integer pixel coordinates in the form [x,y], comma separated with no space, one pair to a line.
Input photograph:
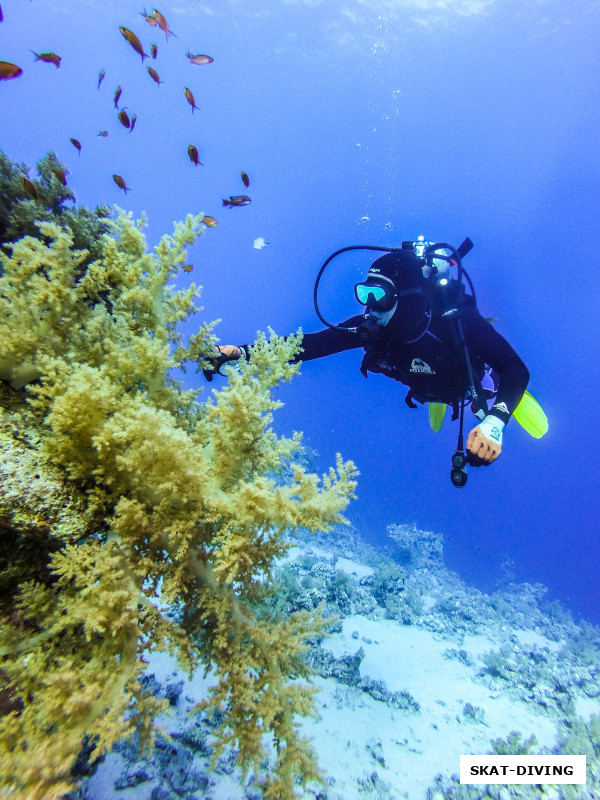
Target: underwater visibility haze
[362,122]
[138,524]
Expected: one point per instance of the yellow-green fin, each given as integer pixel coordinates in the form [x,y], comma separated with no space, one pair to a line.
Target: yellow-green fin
[437,412]
[530,415]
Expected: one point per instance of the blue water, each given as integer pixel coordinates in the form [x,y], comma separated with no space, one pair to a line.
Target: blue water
[365,122]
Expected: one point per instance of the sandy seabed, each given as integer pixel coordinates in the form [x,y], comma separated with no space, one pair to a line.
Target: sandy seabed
[419,670]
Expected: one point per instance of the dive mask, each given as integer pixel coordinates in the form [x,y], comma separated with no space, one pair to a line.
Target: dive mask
[375,296]
[380,296]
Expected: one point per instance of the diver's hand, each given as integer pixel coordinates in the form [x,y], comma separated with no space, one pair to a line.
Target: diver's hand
[230,350]
[484,443]
[223,354]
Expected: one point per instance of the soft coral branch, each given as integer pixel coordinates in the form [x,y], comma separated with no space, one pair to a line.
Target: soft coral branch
[173,493]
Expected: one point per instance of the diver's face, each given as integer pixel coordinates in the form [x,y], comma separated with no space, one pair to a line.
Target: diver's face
[383,317]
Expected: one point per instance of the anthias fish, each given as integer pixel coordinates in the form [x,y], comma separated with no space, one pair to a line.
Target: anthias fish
[124,118]
[133,121]
[211,222]
[149,18]
[30,188]
[76,143]
[134,42]
[190,98]
[193,154]
[154,75]
[8,71]
[101,77]
[162,24]
[245,179]
[121,183]
[103,133]
[199,59]
[61,175]
[237,200]
[153,50]
[49,58]
[117,96]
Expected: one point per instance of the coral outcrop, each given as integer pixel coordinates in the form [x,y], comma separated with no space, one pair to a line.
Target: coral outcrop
[124,496]
[27,199]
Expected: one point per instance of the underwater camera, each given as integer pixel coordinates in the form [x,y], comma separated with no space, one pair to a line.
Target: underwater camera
[458,472]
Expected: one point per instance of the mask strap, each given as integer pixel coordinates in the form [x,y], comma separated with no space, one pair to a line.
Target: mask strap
[406,292]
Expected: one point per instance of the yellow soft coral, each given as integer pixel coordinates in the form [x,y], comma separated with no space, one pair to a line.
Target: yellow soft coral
[163,492]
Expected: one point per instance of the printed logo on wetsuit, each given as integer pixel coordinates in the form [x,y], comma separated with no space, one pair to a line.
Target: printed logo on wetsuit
[502,407]
[420,366]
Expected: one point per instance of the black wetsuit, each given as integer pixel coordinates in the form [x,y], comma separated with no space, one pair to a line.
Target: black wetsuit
[433,366]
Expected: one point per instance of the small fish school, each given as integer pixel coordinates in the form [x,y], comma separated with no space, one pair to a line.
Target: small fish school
[154,20]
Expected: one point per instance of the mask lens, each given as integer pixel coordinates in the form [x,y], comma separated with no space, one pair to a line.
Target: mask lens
[363,290]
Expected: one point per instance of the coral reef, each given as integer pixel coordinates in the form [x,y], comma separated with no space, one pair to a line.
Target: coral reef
[123,496]
[20,211]
[400,733]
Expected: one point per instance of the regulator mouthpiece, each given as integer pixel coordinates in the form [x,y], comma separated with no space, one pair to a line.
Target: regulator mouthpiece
[371,330]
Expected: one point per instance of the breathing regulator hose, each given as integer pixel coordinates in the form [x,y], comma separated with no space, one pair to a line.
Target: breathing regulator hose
[430,253]
[324,267]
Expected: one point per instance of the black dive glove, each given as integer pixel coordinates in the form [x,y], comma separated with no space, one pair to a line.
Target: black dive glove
[228,352]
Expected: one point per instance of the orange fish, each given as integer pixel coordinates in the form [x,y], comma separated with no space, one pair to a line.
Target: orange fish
[124,118]
[154,75]
[30,188]
[211,222]
[8,70]
[103,133]
[153,50]
[77,144]
[193,154]
[49,58]
[117,96]
[190,98]
[149,18]
[61,175]
[121,183]
[162,24]
[133,121]
[199,59]
[237,200]
[134,42]
[187,267]
[245,179]
[101,77]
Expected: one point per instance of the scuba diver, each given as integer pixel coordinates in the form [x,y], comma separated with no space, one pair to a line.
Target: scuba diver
[420,328]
